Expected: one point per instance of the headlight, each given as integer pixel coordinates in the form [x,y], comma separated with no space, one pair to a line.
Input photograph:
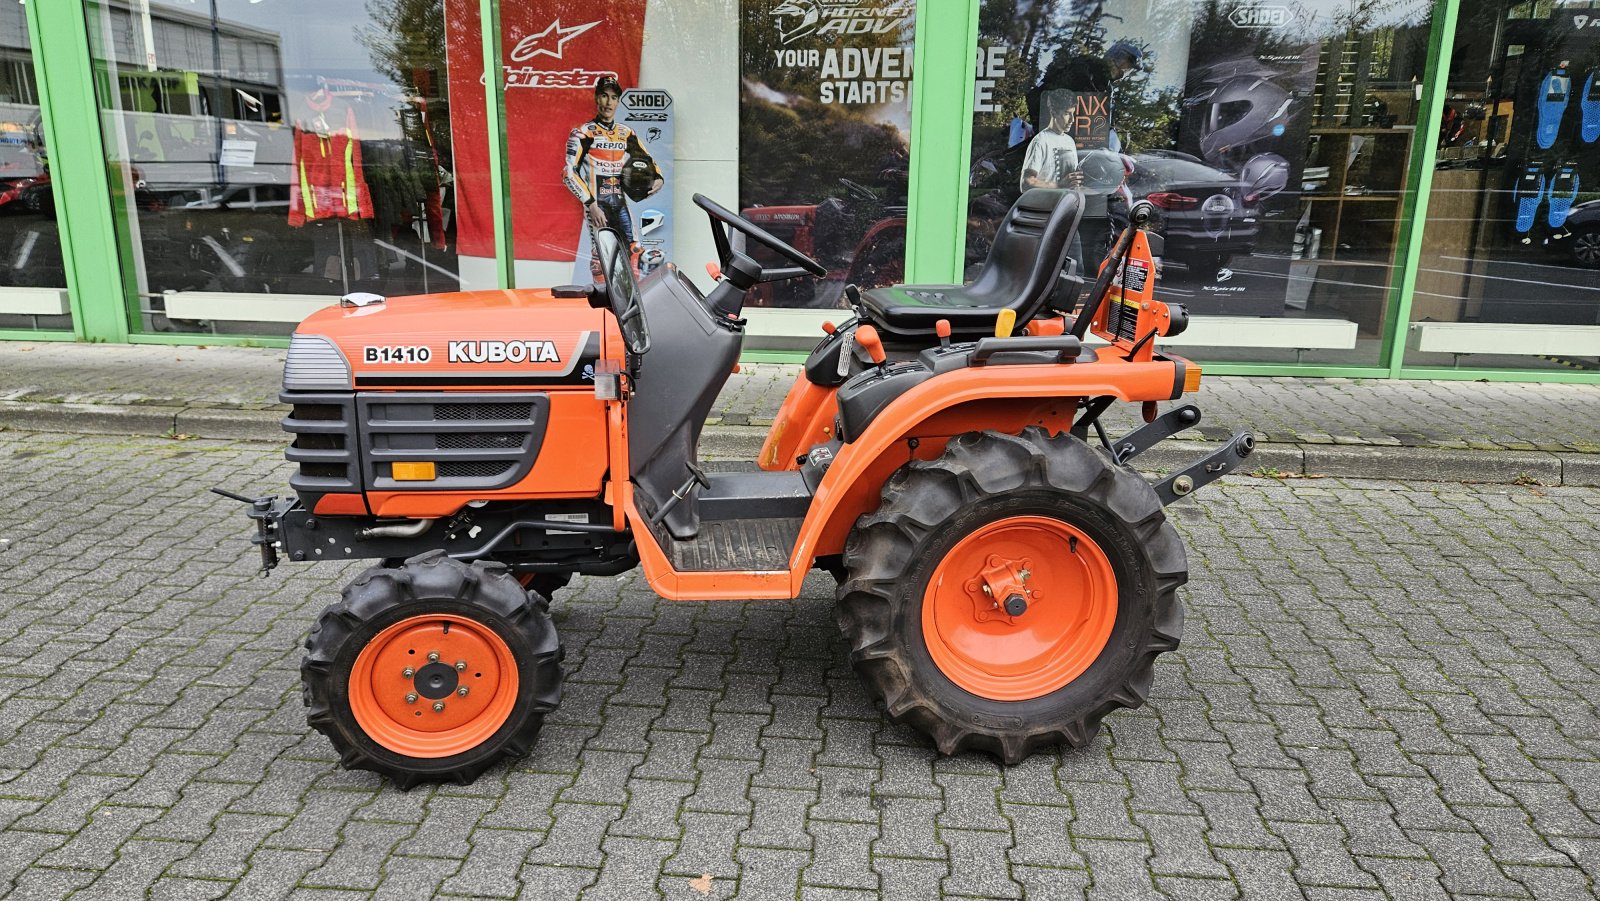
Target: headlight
[315,364]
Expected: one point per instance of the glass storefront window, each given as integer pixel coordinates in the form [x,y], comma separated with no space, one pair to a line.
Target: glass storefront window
[33,291]
[619,111]
[1510,266]
[1273,141]
[269,155]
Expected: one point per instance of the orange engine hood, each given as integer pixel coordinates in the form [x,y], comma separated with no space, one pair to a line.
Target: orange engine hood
[475,339]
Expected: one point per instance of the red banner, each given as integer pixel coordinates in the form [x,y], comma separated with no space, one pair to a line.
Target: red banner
[555,50]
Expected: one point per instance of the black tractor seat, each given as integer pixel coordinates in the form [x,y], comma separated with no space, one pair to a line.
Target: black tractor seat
[1027,264]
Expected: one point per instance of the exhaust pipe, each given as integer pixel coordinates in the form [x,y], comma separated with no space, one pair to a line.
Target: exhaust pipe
[397,530]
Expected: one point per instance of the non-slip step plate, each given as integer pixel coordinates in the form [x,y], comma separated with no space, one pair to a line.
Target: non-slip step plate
[738,545]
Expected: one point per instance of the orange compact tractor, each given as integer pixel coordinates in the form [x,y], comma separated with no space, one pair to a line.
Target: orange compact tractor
[1005,579]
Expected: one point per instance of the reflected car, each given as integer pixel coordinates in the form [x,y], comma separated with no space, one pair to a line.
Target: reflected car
[1583,229]
[1203,212]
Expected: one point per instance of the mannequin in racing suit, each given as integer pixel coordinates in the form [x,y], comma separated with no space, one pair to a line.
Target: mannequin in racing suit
[597,150]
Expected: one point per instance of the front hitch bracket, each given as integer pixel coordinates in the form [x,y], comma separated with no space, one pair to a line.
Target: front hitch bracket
[267,512]
[1208,469]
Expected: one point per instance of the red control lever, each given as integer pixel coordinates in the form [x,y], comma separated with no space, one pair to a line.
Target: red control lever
[867,337]
[829,327]
[715,271]
[942,329]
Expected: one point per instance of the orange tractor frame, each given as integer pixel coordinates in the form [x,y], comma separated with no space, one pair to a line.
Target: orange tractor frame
[1004,582]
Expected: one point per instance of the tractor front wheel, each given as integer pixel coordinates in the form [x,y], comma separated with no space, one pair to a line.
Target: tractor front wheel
[432,670]
[1011,593]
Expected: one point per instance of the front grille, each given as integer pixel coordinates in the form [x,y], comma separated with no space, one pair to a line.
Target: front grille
[477,442]
[461,412]
[324,430]
[475,469]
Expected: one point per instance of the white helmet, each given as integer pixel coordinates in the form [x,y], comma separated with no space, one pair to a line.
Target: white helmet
[650,220]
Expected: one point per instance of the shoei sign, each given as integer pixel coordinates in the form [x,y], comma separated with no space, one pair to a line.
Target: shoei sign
[1259,16]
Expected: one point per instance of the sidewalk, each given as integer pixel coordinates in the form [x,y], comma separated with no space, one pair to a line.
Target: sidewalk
[1447,431]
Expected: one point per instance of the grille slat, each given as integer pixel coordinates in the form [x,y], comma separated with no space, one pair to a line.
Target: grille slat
[460,412]
[480,440]
[474,469]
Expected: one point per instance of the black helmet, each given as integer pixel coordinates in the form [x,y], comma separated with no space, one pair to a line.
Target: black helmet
[1240,112]
[607,83]
[637,177]
[1129,51]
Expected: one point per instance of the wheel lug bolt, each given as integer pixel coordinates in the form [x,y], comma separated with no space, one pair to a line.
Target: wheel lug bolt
[408,672]
[433,656]
[438,707]
[462,691]
[461,665]
[411,698]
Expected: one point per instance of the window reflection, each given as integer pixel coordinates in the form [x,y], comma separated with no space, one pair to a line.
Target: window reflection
[267,153]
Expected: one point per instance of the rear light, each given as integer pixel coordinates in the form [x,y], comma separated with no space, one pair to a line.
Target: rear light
[1171,200]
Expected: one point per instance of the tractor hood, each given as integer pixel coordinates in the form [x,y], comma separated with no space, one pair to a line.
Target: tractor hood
[477,340]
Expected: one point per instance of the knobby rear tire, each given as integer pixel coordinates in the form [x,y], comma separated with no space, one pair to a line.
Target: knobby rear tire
[927,507]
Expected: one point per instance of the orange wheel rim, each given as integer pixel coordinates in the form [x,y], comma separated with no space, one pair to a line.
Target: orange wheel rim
[406,685]
[1063,603]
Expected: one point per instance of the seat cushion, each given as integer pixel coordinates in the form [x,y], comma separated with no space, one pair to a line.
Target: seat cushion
[911,311]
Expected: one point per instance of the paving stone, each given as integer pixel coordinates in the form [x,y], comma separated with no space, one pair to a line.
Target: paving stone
[910,879]
[1118,869]
[841,856]
[769,872]
[632,867]
[490,870]
[707,845]
[574,840]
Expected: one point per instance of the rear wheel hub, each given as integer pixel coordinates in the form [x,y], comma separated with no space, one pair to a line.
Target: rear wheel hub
[1019,608]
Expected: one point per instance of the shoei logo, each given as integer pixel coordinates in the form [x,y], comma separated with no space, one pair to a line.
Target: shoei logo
[503,352]
[550,42]
[1586,21]
[635,99]
[1224,274]
[1259,16]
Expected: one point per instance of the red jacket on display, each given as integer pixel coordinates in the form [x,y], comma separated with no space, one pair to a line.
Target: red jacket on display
[328,181]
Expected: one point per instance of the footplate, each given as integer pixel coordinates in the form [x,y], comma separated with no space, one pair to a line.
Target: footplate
[1207,470]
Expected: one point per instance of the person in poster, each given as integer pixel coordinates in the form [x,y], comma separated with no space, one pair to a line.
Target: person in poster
[1052,158]
[606,165]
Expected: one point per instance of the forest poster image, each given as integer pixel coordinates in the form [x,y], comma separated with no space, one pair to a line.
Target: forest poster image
[824,121]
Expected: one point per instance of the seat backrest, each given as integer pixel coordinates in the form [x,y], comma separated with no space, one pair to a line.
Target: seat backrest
[1029,249]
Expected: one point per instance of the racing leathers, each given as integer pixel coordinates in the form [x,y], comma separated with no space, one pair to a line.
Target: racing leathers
[596,154]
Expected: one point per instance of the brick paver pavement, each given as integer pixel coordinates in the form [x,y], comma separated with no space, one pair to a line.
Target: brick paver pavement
[1385,690]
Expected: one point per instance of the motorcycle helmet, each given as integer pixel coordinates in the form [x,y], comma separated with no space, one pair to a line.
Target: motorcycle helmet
[651,260]
[1241,111]
[1102,170]
[650,220]
[1265,175]
[637,177]
[1128,52]
[1216,215]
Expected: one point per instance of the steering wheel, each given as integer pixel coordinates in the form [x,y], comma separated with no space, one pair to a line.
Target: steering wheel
[622,291]
[804,264]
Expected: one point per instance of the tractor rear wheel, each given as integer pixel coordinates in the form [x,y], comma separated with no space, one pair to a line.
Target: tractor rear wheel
[432,670]
[1011,593]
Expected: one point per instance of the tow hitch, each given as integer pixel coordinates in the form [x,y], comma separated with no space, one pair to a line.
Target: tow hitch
[266,511]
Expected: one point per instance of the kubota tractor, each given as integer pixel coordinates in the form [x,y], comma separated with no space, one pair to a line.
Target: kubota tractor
[1005,579]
